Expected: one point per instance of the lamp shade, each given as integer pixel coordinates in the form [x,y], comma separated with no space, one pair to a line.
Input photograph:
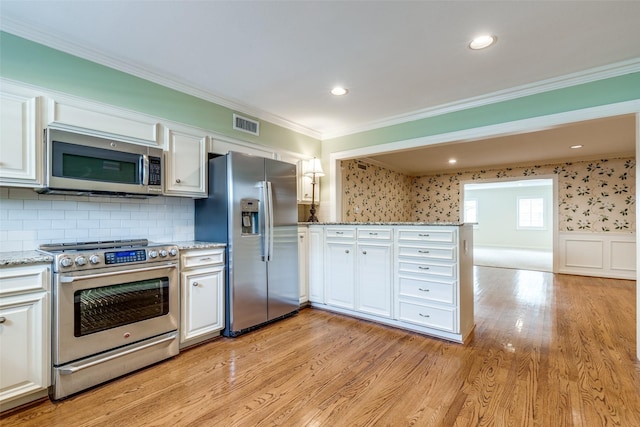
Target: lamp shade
[314,167]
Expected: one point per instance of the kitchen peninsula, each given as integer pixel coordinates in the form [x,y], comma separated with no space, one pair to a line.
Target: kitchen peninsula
[411,275]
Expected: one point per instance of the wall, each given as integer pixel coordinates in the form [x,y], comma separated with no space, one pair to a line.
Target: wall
[593,196]
[32,63]
[372,193]
[28,219]
[498,213]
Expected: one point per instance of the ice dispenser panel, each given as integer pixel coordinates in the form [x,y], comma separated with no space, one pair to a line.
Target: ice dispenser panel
[249,209]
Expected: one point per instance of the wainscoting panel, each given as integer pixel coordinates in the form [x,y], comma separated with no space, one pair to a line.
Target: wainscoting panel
[598,254]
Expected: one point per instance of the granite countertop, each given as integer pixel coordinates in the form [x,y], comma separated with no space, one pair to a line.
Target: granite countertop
[457,224]
[23,258]
[8,259]
[195,244]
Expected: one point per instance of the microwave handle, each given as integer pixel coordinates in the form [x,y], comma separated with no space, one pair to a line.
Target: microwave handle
[145,169]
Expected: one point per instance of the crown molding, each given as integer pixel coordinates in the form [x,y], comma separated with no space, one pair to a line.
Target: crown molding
[574,79]
[36,35]
[586,76]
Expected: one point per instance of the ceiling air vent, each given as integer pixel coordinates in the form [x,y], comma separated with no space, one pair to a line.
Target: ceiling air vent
[245,124]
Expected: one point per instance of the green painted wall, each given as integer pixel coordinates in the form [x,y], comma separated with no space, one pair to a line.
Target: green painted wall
[602,92]
[33,63]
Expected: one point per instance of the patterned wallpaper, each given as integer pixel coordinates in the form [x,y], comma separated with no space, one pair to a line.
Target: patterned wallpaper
[597,196]
[377,194]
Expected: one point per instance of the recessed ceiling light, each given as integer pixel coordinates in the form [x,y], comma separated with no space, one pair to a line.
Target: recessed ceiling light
[482,42]
[339,91]
[452,161]
[576,146]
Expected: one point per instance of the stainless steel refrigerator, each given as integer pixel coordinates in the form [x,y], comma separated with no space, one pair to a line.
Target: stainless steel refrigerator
[252,207]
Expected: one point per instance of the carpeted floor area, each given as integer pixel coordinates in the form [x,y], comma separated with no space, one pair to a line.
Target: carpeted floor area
[521,259]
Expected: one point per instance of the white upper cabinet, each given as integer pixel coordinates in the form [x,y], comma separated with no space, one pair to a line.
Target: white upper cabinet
[186,162]
[21,136]
[102,120]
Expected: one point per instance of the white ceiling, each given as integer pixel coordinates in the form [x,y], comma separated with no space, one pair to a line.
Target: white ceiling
[277,60]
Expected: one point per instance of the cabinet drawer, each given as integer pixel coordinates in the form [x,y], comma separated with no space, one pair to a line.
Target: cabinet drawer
[16,280]
[374,234]
[428,290]
[441,270]
[431,235]
[340,233]
[200,258]
[432,317]
[444,253]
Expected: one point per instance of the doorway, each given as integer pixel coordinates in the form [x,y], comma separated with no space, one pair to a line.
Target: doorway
[514,222]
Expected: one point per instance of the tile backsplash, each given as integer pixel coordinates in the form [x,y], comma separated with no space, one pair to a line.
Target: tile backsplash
[28,219]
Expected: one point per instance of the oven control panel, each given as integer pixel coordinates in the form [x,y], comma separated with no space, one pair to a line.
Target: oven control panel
[87,260]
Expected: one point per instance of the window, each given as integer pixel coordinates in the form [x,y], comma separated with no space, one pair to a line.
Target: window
[470,210]
[531,212]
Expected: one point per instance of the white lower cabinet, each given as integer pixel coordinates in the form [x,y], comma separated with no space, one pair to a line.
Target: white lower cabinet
[25,334]
[413,277]
[202,281]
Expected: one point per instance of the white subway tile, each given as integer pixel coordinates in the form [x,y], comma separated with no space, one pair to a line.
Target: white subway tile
[110,223]
[99,215]
[21,235]
[40,224]
[76,215]
[76,234]
[11,224]
[50,214]
[23,214]
[110,206]
[61,224]
[64,205]
[120,215]
[11,246]
[37,204]
[99,233]
[52,235]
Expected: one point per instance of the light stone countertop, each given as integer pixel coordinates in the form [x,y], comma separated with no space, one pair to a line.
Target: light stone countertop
[364,224]
[195,244]
[8,259]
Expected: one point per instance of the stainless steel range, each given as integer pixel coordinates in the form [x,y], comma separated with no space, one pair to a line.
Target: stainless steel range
[115,310]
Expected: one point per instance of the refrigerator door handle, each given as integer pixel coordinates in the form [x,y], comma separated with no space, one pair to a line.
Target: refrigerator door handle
[270,220]
[265,234]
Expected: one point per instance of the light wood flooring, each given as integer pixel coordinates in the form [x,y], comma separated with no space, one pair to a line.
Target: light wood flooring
[549,350]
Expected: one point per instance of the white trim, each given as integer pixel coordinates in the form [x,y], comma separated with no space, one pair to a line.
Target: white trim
[574,79]
[637,276]
[594,74]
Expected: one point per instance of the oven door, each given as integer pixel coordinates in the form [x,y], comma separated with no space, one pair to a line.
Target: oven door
[104,309]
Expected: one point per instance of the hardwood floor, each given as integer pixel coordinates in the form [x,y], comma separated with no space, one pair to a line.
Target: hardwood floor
[548,350]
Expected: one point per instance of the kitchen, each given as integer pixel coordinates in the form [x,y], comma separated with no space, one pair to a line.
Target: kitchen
[172,215]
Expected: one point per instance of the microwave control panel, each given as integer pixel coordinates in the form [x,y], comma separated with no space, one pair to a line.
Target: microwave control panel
[155,171]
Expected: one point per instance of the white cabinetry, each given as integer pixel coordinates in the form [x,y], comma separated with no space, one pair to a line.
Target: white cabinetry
[202,294]
[21,149]
[25,335]
[186,162]
[316,264]
[102,120]
[434,280]
[303,261]
[374,282]
[340,267]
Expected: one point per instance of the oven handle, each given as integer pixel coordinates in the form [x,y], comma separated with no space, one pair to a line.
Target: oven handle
[68,370]
[71,279]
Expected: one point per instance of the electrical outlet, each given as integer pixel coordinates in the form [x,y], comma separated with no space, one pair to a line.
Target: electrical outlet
[356,210]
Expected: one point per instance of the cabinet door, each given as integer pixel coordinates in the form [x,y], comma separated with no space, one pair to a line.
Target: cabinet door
[374,281]
[185,164]
[340,262]
[24,348]
[203,302]
[20,141]
[303,257]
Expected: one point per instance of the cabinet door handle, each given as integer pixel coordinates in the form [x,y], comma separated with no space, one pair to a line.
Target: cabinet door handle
[364,252]
[2,319]
[423,315]
[302,237]
[206,259]
[423,235]
[423,268]
[339,232]
[423,252]
[373,234]
[346,251]
[423,290]
[178,181]
[196,284]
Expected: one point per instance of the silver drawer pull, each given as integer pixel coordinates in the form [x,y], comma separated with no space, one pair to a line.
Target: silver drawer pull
[373,234]
[423,252]
[423,268]
[364,252]
[339,232]
[423,315]
[346,251]
[423,235]
[3,319]
[196,284]
[206,259]
[423,290]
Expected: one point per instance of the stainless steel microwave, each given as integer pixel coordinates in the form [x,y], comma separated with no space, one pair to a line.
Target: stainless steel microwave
[88,165]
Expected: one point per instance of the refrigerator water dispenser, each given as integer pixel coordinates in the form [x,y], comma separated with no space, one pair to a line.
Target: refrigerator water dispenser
[249,211]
